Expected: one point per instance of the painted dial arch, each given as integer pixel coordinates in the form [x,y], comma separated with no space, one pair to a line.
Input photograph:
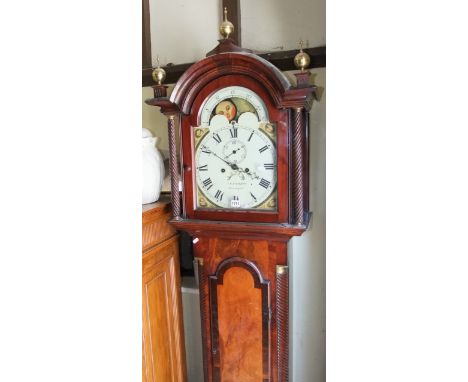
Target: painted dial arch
[229,92]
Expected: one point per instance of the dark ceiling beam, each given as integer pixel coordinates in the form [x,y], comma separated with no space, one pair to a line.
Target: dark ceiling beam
[146,36]
[283,60]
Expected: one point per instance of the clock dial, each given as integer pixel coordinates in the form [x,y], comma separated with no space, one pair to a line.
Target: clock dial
[236,159]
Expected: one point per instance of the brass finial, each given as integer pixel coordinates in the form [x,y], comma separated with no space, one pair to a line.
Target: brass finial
[159,74]
[226,28]
[302,59]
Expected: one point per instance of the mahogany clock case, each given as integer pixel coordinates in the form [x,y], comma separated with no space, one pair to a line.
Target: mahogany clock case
[241,255]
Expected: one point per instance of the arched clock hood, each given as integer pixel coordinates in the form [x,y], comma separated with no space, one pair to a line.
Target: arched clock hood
[216,66]
[230,61]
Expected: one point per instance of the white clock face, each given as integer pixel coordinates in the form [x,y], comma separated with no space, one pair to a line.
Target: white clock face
[235,158]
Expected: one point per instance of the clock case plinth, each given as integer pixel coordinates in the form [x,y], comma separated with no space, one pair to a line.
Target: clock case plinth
[240,256]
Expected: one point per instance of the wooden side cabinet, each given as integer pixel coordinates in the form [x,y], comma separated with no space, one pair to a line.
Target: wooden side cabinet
[163,336]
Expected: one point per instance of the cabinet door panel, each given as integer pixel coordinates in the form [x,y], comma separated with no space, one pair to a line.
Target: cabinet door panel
[162,315]
[240,327]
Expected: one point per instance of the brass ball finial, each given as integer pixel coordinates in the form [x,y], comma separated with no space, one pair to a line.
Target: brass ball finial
[302,59]
[159,74]
[226,28]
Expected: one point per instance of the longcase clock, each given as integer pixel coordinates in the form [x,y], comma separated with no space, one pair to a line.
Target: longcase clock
[244,170]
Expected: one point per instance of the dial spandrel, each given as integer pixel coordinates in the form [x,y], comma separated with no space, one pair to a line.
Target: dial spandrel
[235,152]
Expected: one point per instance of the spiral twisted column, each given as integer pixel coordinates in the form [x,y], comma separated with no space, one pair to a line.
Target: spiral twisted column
[298,165]
[175,197]
[282,321]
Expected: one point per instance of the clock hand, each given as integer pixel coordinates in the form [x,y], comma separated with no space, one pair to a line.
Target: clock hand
[233,152]
[232,165]
[235,166]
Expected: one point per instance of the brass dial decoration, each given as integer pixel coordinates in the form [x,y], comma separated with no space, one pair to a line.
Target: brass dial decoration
[235,152]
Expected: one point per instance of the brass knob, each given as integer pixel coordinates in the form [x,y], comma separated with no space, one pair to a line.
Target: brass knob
[226,28]
[159,74]
[302,59]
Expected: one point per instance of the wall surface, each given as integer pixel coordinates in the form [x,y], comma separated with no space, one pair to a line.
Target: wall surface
[270,24]
[184,31]
[277,23]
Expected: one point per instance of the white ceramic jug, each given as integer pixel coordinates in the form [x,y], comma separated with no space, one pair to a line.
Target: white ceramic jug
[153,168]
